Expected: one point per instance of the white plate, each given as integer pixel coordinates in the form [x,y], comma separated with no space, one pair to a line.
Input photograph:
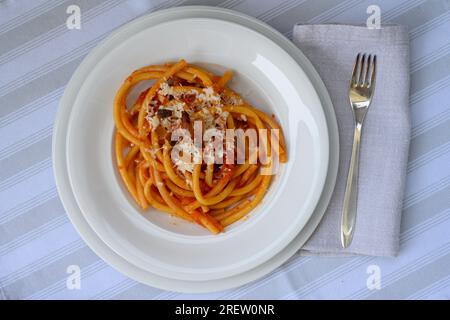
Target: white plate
[126,267]
[271,80]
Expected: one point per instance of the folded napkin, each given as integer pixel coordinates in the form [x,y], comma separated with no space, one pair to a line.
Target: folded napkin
[332,49]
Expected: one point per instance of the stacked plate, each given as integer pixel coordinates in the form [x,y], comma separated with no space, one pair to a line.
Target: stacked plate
[158,249]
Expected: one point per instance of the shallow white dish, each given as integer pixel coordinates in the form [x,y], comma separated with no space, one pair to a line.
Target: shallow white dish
[144,275]
[271,80]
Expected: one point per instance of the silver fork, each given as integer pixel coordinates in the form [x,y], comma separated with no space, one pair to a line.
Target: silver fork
[362,86]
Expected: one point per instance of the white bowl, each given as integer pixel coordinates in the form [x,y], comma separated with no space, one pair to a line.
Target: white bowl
[166,246]
[60,165]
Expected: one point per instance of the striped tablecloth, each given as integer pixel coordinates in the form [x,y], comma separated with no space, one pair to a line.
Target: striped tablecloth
[38,54]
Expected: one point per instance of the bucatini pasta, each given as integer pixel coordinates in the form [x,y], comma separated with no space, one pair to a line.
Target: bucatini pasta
[163,167]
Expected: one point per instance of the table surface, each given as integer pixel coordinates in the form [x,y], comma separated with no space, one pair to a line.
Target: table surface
[38,54]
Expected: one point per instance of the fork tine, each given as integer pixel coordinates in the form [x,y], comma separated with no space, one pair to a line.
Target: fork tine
[374,68]
[355,71]
[361,70]
[369,63]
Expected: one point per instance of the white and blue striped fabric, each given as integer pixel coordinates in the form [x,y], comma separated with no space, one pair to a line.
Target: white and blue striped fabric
[38,54]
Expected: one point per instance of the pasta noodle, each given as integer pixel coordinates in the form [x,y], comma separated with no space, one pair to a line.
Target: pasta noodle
[207,185]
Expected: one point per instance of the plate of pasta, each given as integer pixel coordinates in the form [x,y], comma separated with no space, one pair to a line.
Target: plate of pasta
[192,147]
[197,149]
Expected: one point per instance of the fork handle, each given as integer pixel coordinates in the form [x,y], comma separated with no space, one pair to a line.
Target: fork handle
[351,191]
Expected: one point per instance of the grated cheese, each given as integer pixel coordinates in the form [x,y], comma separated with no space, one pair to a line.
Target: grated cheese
[165,89]
[208,96]
[153,121]
[191,152]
